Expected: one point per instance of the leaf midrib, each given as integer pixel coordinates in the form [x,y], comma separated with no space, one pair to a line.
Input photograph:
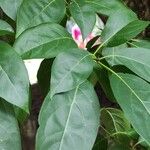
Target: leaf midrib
[1,69]
[77,63]
[128,86]
[43,9]
[112,119]
[80,11]
[133,92]
[69,38]
[98,4]
[67,122]
[128,58]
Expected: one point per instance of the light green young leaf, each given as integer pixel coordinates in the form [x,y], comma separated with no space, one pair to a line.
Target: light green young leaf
[14,82]
[117,146]
[69,70]
[66,119]
[84,17]
[35,12]
[5,28]
[9,130]
[136,59]
[114,121]
[10,7]
[116,23]
[132,94]
[44,41]
[116,125]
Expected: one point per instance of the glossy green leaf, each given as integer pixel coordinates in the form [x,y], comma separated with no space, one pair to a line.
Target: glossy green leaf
[9,130]
[128,32]
[141,43]
[66,119]
[44,41]
[115,24]
[136,59]
[10,7]
[83,12]
[44,75]
[106,7]
[132,94]
[35,12]
[84,17]
[5,28]
[70,69]
[14,82]
[114,121]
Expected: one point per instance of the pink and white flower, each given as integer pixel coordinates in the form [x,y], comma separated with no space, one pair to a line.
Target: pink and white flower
[75,31]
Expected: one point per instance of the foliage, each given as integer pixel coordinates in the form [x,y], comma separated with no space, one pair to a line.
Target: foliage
[71,116]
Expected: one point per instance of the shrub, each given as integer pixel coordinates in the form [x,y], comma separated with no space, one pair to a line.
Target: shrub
[72,115]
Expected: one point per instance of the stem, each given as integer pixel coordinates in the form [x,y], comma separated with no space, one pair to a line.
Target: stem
[98,48]
[135,40]
[66,1]
[113,72]
[104,57]
[136,144]
[123,81]
[132,44]
[107,68]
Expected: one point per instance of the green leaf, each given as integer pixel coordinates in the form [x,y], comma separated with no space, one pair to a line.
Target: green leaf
[66,119]
[115,24]
[141,43]
[35,12]
[128,32]
[101,143]
[44,74]
[9,130]
[132,94]
[21,115]
[93,78]
[5,28]
[70,69]
[136,59]
[84,12]
[118,146]
[116,126]
[14,82]
[10,7]
[142,142]
[114,121]
[44,41]
[103,80]
[123,138]
[84,17]
[106,7]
